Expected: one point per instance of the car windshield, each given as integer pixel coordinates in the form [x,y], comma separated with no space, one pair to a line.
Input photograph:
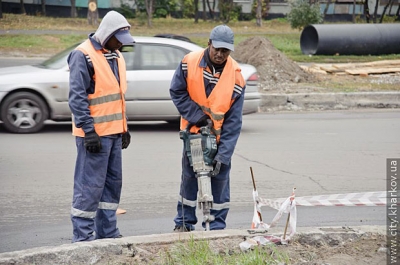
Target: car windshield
[59,60]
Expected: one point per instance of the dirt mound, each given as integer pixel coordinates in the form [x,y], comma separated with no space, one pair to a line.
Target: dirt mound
[274,68]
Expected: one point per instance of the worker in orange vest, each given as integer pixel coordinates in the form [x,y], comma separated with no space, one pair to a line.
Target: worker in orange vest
[97,102]
[208,85]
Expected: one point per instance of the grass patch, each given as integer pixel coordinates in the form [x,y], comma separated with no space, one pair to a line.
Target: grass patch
[278,31]
[200,252]
[40,42]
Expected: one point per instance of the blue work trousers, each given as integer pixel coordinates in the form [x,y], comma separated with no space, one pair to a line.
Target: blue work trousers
[97,190]
[186,211]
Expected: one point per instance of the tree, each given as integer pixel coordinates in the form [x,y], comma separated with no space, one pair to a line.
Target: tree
[211,9]
[384,10]
[196,11]
[21,3]
[149,10]
[225,8]
[366,11]
[43,7]
[73,9]
[327,7]
[398,13]
[204,11]
[303,13]
[259,10]
[259,13]
[93,13]
[375,11]
[1,10]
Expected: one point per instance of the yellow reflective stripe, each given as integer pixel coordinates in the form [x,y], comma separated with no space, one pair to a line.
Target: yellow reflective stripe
[108,206]
[204,108]
[83,214]
[215,131]
[188,202]
[217,117]
[220,206]
[104,99]
[108,118]
[214,116]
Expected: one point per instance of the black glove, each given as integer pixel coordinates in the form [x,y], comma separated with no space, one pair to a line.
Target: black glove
[203,121]
[126,140]
[92,142]
[217,168]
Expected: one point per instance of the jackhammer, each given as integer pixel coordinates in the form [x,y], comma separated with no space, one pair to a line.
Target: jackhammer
[201,149]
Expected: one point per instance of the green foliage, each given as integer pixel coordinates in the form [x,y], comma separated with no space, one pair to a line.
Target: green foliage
[225,7]
[164,8]
[264,9]
[188,8]
[160,12]
[141,18]
[126,11]
[235,12]
[140,6]
[302,14]
[389,19]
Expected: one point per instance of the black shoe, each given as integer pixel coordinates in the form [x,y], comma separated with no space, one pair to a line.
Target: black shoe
[179,228]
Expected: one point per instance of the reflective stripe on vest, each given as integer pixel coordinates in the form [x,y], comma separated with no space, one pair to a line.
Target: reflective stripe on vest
[107,104]
[220,99]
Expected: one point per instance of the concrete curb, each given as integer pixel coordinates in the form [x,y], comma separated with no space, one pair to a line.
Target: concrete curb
[92,252]
[329,101]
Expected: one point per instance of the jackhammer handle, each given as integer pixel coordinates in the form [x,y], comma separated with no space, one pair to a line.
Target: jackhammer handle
[209,123]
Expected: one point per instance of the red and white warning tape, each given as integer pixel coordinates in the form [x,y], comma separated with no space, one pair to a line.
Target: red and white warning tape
[350,199]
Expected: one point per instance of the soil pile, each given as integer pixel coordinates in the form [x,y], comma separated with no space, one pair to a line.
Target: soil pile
[276,71]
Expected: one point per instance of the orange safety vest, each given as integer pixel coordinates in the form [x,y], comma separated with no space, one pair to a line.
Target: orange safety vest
[107,104]
[220,99]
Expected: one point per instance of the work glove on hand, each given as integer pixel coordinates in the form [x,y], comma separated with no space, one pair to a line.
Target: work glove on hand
[203,121]
[126,140]
[217,168]
[92,142]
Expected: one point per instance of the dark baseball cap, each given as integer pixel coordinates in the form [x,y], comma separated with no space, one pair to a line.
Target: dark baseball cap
[124,36]
[222,37]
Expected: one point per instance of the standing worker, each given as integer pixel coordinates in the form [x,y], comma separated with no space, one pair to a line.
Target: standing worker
[208,85]
[97,101]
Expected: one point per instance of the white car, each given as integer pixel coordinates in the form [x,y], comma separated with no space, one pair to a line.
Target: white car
[32,94]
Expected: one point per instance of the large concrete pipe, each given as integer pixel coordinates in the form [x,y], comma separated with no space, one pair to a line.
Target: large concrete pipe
[350,39]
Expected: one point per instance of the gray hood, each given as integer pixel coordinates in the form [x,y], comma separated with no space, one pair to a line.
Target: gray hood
[110,24]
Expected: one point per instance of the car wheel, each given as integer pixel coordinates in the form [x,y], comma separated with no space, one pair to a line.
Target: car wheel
[23,112]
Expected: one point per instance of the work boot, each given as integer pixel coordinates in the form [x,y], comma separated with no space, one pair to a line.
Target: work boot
[179,228]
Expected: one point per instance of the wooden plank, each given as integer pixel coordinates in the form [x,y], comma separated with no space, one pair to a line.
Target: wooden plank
[384,63]
[331,69]
[373,70]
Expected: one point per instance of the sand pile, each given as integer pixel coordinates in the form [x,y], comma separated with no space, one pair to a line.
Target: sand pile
[275,69]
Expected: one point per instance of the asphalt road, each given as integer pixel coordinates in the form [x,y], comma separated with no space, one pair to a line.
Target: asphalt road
[318,153]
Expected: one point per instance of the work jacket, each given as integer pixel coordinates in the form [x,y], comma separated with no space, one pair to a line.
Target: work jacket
[107,103]
[220,99]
